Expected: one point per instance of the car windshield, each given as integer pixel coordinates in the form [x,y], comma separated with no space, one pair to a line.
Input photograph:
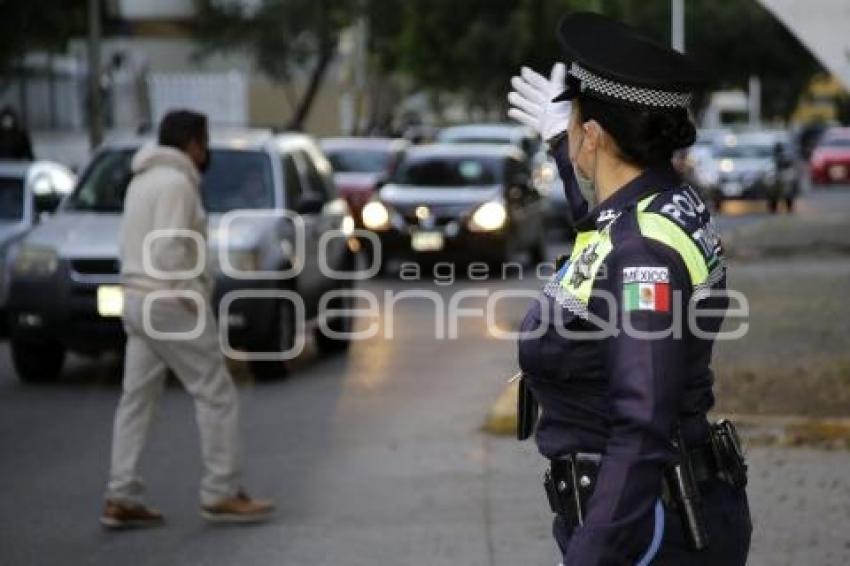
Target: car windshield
[359,160]
[103,184]
[746,151]
[11,198]
[236,179]
[836,142]
[449,171]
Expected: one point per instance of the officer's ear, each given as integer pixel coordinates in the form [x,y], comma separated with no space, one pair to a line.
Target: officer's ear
[593,135]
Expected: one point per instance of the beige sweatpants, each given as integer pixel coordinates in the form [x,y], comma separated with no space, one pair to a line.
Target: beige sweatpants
[199,365]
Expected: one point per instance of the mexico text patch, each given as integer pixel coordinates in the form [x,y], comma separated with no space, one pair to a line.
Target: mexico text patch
[646,289]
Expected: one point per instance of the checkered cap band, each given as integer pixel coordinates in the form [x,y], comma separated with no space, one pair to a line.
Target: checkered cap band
[636,95]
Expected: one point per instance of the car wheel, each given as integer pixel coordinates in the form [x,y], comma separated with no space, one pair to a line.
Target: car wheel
[331,344]
[37,362]
[280,339]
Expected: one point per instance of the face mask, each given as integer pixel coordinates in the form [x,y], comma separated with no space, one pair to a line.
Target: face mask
[586,186]
[205,164]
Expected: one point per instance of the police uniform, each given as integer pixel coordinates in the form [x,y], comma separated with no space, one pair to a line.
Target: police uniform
[608,351]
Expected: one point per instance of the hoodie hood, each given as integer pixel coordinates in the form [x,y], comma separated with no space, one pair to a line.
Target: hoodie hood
[151,156]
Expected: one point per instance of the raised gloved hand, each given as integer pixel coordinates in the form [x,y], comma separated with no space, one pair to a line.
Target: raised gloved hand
[531,101]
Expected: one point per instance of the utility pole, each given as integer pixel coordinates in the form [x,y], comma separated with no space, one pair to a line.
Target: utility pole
[94,99]
[677,25]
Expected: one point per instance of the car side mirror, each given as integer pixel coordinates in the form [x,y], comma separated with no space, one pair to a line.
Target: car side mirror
[310,203]
[46,204]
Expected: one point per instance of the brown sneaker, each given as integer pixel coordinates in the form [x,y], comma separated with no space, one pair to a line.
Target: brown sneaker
[124,516]
[238,509]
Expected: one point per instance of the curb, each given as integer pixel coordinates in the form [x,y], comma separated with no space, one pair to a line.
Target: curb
[501,418]
[781,430]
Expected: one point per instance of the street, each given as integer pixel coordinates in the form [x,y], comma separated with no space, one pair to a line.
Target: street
[375,458]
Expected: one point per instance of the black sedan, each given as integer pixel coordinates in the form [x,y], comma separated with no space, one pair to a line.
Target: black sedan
[459,201]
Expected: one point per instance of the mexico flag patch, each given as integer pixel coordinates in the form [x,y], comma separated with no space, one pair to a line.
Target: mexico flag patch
[646,289]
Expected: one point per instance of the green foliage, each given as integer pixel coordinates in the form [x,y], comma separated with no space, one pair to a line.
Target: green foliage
[283,36]
[472,47]
[286,38]
[37,24]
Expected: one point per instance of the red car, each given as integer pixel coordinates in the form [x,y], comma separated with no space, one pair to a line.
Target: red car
[361,165]
[830,162]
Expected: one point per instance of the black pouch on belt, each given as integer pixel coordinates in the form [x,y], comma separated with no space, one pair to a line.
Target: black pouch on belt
[527,410]
[726,447]
[569,483]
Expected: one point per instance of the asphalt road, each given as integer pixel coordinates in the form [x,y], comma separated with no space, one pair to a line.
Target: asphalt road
[374,458]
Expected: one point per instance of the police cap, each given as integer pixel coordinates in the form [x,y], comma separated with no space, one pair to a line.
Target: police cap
[616,62]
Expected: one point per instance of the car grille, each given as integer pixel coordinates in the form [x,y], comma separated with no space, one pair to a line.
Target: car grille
[440,215]
[96,266]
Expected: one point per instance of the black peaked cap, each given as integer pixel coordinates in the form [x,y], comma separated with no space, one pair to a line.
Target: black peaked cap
[615,61]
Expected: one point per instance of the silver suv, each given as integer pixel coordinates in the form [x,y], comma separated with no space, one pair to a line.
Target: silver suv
[271,204]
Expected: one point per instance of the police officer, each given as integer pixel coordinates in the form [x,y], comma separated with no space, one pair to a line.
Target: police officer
[622,374]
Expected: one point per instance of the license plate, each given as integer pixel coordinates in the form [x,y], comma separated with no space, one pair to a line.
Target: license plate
[732,189]
[427,241]
[110,300]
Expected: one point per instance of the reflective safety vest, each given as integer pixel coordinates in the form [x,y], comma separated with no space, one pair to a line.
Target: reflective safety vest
[699,250]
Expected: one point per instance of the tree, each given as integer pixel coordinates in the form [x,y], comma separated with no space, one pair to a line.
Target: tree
[471,48]
[287,39]
[38,24]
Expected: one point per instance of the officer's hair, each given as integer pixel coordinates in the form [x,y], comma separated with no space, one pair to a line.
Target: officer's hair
[644,136]
[179,128]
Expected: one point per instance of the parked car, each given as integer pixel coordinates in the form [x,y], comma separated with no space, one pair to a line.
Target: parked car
[830,162]
[463,201]
[701,164]
[754,166]
[64,277]
[361,165]
[29,190]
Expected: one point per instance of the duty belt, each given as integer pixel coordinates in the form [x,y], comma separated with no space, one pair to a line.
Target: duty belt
[571,480]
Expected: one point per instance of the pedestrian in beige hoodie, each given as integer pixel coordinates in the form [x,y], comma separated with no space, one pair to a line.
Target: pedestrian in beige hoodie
[170,324]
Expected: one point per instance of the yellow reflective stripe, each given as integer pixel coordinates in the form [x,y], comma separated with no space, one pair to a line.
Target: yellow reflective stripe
[664,230]
[646,202]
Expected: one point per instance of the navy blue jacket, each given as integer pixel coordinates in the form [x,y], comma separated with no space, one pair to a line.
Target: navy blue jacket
[643,257]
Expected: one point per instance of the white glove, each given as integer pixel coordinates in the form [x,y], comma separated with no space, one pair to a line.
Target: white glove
[531,101]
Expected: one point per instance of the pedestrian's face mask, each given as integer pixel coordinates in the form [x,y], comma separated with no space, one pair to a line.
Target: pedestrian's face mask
[204,164]
[200,153]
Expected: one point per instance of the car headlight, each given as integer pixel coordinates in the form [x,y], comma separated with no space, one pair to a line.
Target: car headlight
[348,225]
[375,216]
[488,217]
[543,177]
[37,261]
[335,207]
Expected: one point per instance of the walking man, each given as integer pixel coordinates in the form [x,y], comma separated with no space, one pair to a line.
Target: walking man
[170,324]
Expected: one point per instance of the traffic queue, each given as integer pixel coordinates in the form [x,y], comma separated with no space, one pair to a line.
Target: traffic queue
[486,192]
